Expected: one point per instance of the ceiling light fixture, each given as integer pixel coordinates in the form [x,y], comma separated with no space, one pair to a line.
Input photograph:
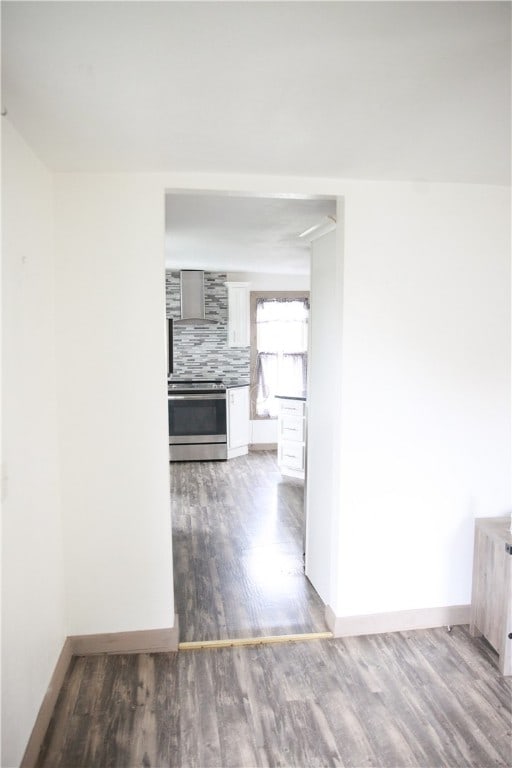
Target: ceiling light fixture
[327,224]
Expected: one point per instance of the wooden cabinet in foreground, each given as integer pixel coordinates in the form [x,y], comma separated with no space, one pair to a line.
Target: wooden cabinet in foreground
[491,601]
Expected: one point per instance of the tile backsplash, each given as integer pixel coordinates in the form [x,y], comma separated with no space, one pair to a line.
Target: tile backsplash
[201,349]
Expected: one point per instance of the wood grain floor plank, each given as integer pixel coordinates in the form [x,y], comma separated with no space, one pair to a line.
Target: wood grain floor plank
[401,701]
[206,727]
[167,709]
[238,550]
[344,701]
[418,699]
[56,733]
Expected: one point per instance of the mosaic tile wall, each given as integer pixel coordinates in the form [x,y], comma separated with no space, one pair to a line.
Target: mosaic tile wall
[201,349]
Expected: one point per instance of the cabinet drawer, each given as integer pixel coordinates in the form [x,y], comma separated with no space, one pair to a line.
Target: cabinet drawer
[292,407]
[292,455]
[292,428]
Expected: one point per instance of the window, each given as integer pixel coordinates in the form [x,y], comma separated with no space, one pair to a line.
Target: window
[279,348]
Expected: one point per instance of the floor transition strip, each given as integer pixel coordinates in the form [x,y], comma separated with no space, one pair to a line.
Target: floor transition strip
[196,645]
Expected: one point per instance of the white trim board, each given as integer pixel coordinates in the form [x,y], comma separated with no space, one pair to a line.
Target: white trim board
[396,621]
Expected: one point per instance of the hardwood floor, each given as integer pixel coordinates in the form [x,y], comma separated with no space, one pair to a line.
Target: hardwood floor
[427,698]
[418,699]
[238,551]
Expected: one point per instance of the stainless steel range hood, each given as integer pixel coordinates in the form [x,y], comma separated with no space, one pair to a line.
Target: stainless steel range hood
[192,294]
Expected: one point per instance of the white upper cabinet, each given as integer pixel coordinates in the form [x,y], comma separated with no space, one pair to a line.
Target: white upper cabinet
[238,315]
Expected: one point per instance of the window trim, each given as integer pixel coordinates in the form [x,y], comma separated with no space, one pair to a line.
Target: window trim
[254,296]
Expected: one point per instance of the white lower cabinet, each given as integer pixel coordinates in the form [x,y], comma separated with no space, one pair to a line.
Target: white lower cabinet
[291,456]
[238,421]
[291,445]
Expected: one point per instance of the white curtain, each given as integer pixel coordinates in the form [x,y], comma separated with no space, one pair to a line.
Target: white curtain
[281,340]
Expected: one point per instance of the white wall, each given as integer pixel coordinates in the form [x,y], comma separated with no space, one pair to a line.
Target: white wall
[322,412]
[424,382]
[264,281]
[424,389]
[263,431]
[32,569]
[425,434]
[113,402]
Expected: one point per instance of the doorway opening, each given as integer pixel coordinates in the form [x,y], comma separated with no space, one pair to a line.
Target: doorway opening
[238,525]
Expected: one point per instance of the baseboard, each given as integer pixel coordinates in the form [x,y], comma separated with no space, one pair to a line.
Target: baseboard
[140,641]
[234,452]
[47,707]
[263,447]
[396,621]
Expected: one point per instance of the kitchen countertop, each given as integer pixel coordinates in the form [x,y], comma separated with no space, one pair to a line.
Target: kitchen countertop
[298,396]
[228,383]
[233,383]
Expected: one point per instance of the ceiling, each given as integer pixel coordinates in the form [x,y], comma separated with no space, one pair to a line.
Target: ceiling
[364,90]
[369,90]
[241,234]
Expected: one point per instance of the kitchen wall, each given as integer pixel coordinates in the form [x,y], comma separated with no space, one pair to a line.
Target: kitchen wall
[271,281]
[201,350]
[264,431]
[33,622]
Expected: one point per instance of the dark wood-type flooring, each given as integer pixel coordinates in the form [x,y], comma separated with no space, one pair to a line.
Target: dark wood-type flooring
[427,698]
[238,551]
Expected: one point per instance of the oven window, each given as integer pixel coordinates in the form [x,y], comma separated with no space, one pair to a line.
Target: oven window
[197,417]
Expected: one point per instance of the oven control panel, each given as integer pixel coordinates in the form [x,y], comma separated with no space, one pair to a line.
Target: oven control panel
[195,386]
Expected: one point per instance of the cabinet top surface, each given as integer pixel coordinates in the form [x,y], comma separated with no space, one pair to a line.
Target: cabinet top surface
[234,384]
[498,527]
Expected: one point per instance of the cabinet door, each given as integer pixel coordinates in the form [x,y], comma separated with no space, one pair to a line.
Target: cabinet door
[291,436]
[291,455]
[292,428]
[291,407]
[238,315]
[238,417]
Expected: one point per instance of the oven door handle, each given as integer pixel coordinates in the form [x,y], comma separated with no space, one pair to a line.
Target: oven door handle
[213,396]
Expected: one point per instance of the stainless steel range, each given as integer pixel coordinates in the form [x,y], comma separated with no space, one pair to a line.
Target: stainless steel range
[197,420]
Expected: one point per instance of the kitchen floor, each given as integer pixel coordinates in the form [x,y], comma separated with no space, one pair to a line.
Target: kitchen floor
[238,551]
